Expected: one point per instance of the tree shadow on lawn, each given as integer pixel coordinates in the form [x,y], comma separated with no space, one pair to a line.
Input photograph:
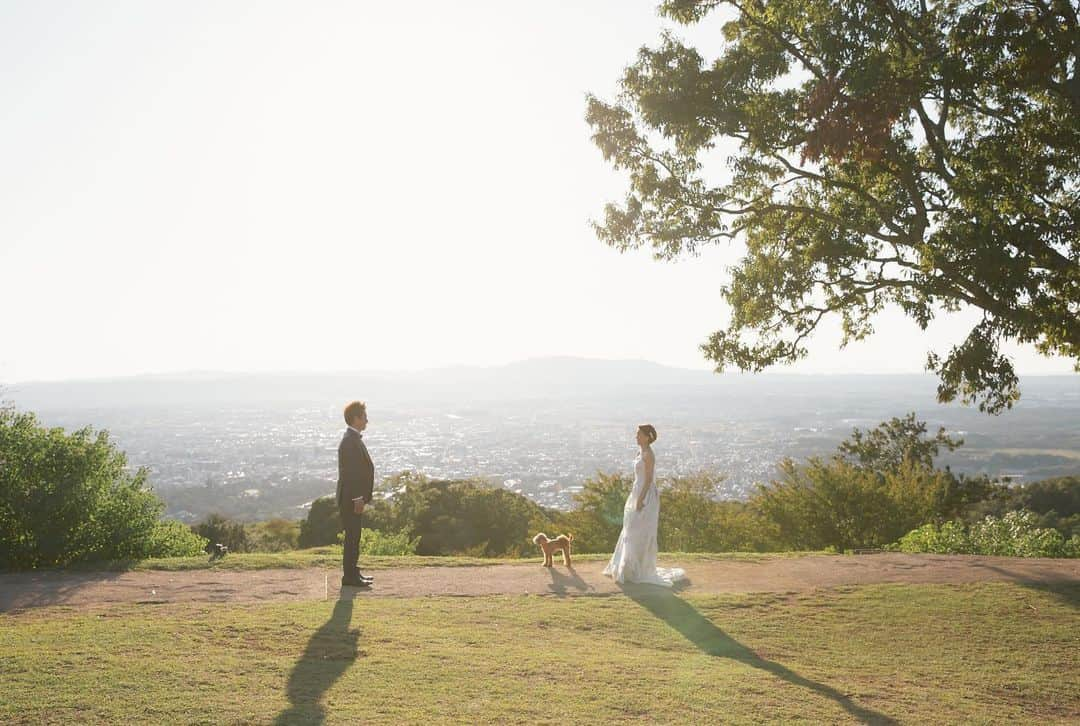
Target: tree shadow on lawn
[1066,590]
[330,652]
[699,630]
[24,590]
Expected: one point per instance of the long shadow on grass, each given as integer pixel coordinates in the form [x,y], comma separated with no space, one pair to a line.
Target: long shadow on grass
[1066,590]
[42,588]
[700,631]
[329,653]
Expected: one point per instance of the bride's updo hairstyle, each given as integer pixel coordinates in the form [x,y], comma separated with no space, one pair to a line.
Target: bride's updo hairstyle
[649,431]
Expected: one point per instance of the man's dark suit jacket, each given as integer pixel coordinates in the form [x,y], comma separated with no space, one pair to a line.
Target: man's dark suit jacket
[356,472]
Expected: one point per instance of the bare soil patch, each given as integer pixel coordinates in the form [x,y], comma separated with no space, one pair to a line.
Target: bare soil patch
[20,591]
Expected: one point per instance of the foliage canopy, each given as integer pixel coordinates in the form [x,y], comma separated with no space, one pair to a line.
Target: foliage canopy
[924,155]
[68,498]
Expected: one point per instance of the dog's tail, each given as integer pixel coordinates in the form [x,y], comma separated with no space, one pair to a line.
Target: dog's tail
[570,537]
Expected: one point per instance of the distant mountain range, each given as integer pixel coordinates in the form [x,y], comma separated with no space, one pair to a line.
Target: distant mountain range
[529,379]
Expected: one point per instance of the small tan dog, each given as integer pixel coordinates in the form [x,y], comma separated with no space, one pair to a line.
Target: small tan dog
[550,546]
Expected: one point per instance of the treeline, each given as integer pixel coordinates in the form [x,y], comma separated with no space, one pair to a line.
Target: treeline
[69,498]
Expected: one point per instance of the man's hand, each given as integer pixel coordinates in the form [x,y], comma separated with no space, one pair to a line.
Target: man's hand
[358,506]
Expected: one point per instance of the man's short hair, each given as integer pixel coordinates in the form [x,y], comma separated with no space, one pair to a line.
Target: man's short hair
[354,409]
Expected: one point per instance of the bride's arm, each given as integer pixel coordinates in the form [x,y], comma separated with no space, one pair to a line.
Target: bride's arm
[650,470]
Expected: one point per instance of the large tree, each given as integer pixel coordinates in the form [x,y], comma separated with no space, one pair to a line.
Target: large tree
[892,152]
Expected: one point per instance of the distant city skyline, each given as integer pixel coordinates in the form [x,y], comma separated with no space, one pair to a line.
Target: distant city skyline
[263,446]
[281,187]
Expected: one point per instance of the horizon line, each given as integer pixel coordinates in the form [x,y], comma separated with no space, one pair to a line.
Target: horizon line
[209,372]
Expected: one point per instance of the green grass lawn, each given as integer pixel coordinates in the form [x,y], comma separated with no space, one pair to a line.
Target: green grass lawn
[986,653]
[330,556]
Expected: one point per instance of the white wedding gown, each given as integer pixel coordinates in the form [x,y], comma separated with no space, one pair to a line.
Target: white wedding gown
[634,559]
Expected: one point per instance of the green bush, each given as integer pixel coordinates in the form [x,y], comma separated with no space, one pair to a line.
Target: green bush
[878,486]
[222,530]
[1056,502]
[456,517]
[1016,534]
[950,538]
[374,542]
[322,524]
[693,520]
[273,535]
[835,503]
[68,498]
[174,539]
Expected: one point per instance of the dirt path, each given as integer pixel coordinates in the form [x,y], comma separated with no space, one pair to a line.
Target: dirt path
[30,590]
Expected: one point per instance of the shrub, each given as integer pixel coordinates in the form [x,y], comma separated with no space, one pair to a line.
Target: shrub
[1016,534]
[322,524]
[846,506]
[273,535]
[693,520]
[452,517]
[950,538]
[375,542]
[222,530]
[68,498]
[174,539]
[1056,502]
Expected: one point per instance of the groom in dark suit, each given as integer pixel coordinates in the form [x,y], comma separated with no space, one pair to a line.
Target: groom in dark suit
[356,479]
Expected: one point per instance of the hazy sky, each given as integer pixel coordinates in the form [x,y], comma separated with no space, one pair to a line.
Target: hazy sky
[337,185]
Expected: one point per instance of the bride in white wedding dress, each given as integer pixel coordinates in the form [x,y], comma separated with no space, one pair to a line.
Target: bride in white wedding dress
[634,559]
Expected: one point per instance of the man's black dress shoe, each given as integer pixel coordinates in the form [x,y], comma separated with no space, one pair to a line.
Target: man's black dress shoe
[354,582]
[365,578]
